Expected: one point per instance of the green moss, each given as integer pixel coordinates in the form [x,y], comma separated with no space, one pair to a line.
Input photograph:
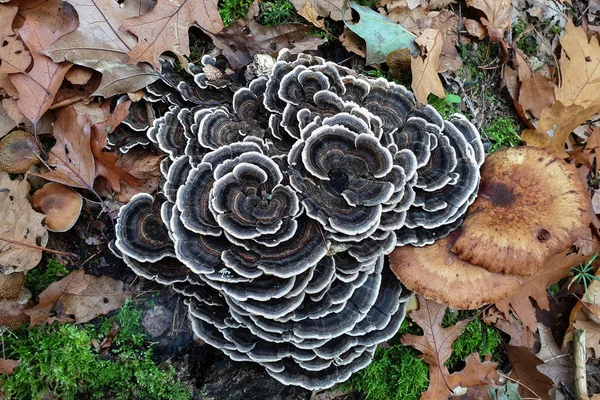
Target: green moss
[446,106]
[40,277]
[502,132]
[527,42]
[396,373]
[278,12]
[58,361]
[476,338]
[232,10]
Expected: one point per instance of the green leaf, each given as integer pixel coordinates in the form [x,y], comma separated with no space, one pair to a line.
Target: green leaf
[452,98]
[381,34]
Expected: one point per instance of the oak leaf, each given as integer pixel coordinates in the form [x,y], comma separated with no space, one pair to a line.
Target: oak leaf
[497,16]
[145,166]
[100,44]
[425,70]
[38,86]
[165,28]
[537,91]
[534,288]
[322,8]
[20,224]
[14,58]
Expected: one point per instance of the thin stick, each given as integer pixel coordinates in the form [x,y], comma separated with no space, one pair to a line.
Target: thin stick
[522,384]
[33,246]
[579,361]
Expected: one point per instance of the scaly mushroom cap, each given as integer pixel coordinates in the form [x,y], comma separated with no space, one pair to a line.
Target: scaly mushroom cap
[11,284]
[284,206]
[60,204]
[531,206]
[18,152]
[436,273]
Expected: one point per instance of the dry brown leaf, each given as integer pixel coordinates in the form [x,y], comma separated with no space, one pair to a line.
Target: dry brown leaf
[424,70]
[6,123]
[352,42]
[20,223]
[556,124]
[38,86]
[309,12]
[105,161]
[165,28]
[436,343]
[475,28]
[537,91]
[14,58]
[439,4]
[525,365]
[323,8]
[71,157]
[447,22]
[79,75]
[497,16]
[243,39]
[145,166]
[520,335]
[98,43]
[534,287]
[73,283]
[558,364]
[101,296]
[7,366]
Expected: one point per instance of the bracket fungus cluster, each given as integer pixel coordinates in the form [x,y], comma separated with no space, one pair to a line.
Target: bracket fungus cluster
[531,206]
[276,213]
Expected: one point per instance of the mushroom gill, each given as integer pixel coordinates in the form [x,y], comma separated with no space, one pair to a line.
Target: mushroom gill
[277,213]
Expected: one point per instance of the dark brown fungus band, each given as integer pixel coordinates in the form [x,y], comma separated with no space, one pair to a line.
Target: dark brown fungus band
[280,205]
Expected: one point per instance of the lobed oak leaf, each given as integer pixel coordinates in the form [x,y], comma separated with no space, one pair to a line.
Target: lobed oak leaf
[20,224]
[100,44]
[534,288]
[165,28]
[436,343]
[321,8]
[145,166]
[38,86]
[425,70]
[14,58]
[537,91]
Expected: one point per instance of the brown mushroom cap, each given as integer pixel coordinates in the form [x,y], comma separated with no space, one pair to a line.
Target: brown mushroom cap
[531,206]
[18,152]
[11,311]
[11,284]
[436,273]
[60,204]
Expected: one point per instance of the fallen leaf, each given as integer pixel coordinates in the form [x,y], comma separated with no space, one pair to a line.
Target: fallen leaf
[14,58]
[382,35]
[145,166]
[436,343]
[244,38]
[38,86]
[6,123]
[424,70]
[497,16]
[310,13]
[7,366]
[439,4]
[7,15]
[475,28]
[525,365]
[165,28]
[352,42]
[100,296]
[323,8]
[79,75]
[20,223]
[73,283]
[557,363]
[534,288]
[537,91]
[105,161]
[71,157]
[520,335]
[98,43]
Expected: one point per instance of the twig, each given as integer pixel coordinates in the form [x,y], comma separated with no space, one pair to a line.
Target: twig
[522,384]
[579,361]
[33,246]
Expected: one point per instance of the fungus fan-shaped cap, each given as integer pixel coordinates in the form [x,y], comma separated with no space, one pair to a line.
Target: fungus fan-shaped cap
[60,204]
[531,205]
[436,273]
[18,152]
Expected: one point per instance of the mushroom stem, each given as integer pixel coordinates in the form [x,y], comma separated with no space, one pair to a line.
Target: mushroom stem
[579,361]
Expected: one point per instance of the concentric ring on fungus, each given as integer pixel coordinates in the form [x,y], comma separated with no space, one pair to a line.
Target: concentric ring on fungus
[283,207]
